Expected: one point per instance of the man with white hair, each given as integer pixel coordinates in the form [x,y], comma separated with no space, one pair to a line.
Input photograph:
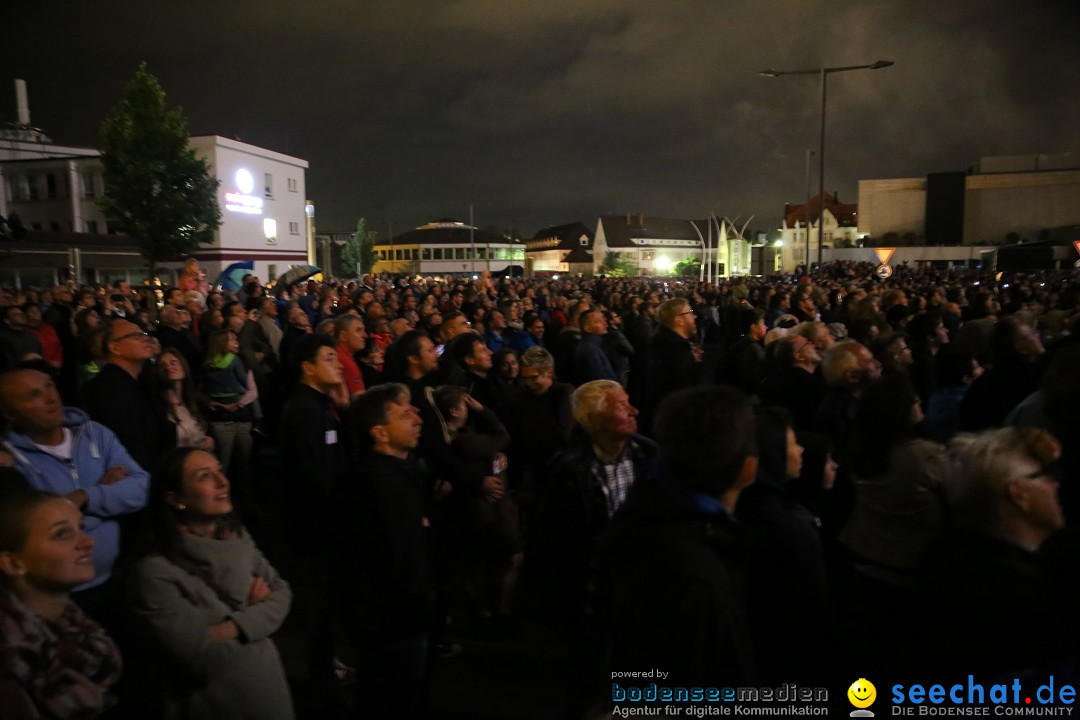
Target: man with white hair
[986,575]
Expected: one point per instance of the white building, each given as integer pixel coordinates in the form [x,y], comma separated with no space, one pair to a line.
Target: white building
[52,190]
[656,245]
[449,247]
[264,214]
[838,223]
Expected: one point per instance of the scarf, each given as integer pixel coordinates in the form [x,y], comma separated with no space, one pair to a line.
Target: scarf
[66,667]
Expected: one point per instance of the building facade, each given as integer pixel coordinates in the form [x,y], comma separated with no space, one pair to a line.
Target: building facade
[560,249]
[656,245]
[1000,200]
[50,192]
[836,225]
[449,247]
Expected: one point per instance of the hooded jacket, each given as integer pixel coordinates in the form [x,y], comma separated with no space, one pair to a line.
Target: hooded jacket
[94,450]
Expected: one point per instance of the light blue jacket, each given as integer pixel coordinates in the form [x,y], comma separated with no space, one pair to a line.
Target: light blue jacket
[95,449]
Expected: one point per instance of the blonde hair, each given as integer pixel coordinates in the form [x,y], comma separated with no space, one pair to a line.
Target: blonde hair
[590,400]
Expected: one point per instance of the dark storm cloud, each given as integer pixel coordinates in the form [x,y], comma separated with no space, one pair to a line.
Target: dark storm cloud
[549,112]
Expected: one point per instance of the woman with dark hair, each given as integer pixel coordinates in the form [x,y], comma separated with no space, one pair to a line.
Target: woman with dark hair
[209,598]
[506,365]
[899,506]
[786,565]
[176,399]
[55,661]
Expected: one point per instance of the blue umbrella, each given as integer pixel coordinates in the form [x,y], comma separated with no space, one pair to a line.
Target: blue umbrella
[232,276]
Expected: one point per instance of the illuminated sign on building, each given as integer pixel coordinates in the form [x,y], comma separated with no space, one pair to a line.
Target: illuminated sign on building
[243,201]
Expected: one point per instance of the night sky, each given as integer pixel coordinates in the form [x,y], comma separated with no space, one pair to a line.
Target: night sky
[543,112]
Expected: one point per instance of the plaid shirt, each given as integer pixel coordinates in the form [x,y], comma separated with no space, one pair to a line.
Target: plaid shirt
[616,477]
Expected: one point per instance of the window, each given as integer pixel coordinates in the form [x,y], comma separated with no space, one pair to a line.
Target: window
[459,253]
[270,231]
[35,226]
[268,183]
[55,227]
[294,228]
[584,241]
[91,226]
[15,188]
[292,184]
[32,188]
[50,186]
[272,271]
[438,253]
[519,254]
[382,255]
[397,254]
[426,254]
[416,253]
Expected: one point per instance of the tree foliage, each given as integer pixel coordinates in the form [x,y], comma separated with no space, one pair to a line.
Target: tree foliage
[358,254]
[156,190]
[688,267]
[615,264]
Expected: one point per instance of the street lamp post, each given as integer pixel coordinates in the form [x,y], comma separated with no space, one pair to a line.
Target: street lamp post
[824,73]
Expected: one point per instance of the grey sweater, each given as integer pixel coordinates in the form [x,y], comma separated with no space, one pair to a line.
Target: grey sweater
[243,678]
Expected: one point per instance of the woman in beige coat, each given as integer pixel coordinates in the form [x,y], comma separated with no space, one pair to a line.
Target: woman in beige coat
[210,599]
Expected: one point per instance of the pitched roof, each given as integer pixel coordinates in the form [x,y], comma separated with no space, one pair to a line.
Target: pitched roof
[560,237]
[624,230]
[446,231]
[578,255]
[846,214]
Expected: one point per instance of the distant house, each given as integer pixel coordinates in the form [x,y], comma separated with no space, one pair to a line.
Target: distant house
[656,244]
[561,249]
[449,247]
[840,229]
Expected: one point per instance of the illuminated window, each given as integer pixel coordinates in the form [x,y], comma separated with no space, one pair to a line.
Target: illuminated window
[270,231]
[268,183]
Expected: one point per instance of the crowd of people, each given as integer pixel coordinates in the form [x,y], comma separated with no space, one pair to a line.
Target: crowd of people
[751,481]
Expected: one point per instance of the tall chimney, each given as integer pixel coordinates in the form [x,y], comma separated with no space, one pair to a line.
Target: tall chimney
[641,218]
[21,103]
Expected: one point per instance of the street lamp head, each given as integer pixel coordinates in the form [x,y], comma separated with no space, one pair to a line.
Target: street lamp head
[881,64]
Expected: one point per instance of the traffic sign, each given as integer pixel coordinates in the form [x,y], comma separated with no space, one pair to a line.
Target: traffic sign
[1076,244]
[883,271]
[884,254]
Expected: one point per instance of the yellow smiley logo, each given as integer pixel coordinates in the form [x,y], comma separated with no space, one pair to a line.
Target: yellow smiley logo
[862,693]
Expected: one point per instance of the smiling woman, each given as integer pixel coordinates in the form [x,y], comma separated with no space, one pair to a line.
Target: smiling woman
[55,661]
[210,599]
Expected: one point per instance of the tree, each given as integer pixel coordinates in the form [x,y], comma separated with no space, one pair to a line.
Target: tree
[358,255]
[615,265]
[688,267]
[156,190]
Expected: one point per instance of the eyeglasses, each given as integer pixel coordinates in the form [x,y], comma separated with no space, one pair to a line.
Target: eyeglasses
[687,312]
[139,335]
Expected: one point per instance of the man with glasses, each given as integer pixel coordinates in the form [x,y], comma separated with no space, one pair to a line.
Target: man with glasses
[674,362]
[120,396]
[794,385]
[994,564]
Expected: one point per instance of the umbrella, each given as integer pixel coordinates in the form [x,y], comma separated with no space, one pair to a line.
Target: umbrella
[296,274]
[232,276]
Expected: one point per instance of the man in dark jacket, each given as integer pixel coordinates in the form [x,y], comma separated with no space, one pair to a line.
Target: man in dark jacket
[674,363]
[794,385]
[672,557]
[383,583]
[590,360]
[120,399]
